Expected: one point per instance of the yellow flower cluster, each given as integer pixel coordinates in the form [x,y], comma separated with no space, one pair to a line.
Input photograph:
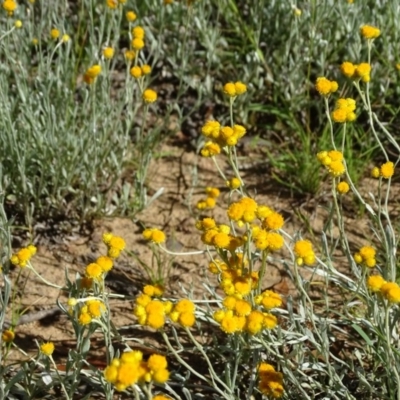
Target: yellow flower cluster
[344,110]
[386,170]
[238,316]
[218,235]
[138,35]
[91,74]
[154,235]
[366,256]
[304,252]
[90,310]
[98,269]
[115,244]
[269,299]
[153,312]
[370,32]
[139,72]
[131,369]
[211,200]
[10,6]
[210,149]
[333,161]
[234,89]
[271,382]
[22,257]
[221,136]
[361,71]
[389,290]
[325,87]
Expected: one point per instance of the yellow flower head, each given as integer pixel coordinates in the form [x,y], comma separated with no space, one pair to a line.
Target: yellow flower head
[137,43]
[187,319]
[210,149]
[113,4]
[375,283]
[342,187]
[273,221]
[47,348]
[136,72]
[240,88]
[391,292]
[108,53]
[10,6]
[138,32]
[117,242]
[130,16]
[55,33]
[270,299]
[130,55]
[387,170]
[348,69]
[146,69]
[370,32]
[94,271]
[155,235]
[7,336]
[149,96]
[184,305]
[106,263]
[92,73]
[325,87]
[157,362]
[233,183]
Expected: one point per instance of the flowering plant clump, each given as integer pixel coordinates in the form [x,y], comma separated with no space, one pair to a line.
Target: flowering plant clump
[276,287]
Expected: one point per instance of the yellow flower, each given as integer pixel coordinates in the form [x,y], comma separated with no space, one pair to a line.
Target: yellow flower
[113,4]
[348,69]
[242,307]
[55,33]
[273,221]
[270,321]
[302,248]
[367,252]
[212,192]
[387,170]
[108,53]
[138,32]
[155,320]
[117,242]
[65,38]
[106,263]
[233,183]
[92,73]
[94,271]
[375,172]
[130,55]
[130,16]
[229,324]
[270,299]
[391,292]
[155,235]
[7,336]
[221,240]
[137,43]
[185,305]
[136,72]
[18,24]
[95,308]
[375,283]
[210,149]
[229,89]
[10,6]
[161,376]
[146,69]
[370,32]
[342,187]
[363,71]
[186,319]
[161,396]
[47,348]
[325,87]
[240,88]
[339,115]
[149,96]
[157,362]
